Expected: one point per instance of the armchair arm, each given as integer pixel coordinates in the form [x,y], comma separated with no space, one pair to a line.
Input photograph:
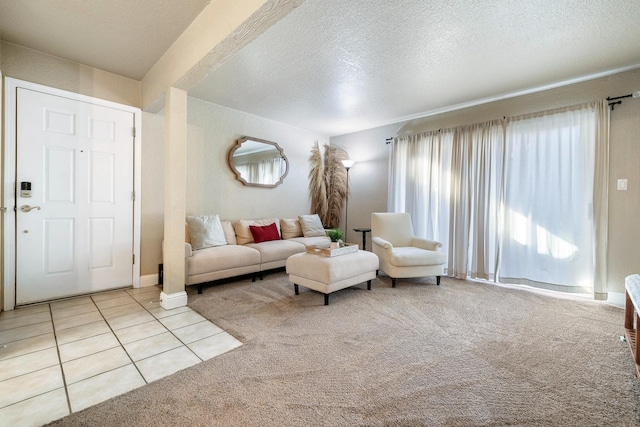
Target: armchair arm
[383,243]
[430,245]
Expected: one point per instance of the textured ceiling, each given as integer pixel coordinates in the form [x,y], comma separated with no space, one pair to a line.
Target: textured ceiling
[337,66]
[124,37]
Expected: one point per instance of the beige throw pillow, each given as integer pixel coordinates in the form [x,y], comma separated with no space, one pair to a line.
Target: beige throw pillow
[311,226]
[243,233]
[290,228]
[229,232]
[205,231]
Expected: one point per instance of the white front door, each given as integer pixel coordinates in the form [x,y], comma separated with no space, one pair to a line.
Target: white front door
[74,234]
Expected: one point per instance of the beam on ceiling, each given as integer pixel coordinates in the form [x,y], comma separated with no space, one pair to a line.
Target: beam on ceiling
[218,32]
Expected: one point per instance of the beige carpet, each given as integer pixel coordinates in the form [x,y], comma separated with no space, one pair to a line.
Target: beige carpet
[461,354]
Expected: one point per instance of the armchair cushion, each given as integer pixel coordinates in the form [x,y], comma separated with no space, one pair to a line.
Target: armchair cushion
[410,256]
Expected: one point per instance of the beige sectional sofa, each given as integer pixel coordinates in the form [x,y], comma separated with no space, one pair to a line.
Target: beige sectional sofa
[241,255]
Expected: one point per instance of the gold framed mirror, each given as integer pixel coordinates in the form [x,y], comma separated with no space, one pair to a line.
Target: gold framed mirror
[258,163]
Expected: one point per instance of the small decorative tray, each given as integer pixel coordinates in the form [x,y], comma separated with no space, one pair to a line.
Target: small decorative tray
[347,249]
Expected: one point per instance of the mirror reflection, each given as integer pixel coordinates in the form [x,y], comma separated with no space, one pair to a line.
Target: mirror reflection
[257,162]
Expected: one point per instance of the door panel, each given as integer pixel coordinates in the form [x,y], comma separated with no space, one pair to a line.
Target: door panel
[59,246]
[79,159]
[59,173]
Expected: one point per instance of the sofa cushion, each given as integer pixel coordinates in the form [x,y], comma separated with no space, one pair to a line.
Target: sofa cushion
[205,231]
[290,227]
[221,258]
[311,225]
[276,250]
[243,233]
[264,233]
[229,232]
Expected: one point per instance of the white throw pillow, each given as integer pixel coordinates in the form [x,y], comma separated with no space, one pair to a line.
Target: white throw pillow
[205,231]
[311,225]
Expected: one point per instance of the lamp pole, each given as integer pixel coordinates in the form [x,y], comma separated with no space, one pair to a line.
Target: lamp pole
[347,164]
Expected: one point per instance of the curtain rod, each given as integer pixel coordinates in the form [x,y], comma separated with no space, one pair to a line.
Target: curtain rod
[618,99]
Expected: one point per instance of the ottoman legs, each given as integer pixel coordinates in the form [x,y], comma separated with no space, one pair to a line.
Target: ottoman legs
[296,289]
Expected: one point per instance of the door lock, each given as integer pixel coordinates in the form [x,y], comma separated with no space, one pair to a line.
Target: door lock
[27,208]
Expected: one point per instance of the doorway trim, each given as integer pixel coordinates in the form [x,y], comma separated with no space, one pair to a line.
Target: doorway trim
[9,178]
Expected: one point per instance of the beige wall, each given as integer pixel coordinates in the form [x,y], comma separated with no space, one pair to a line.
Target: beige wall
[369,175]
[36,67]
[211,185]
[32,66]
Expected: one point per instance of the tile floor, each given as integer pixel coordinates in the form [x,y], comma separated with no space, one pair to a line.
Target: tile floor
[65,356]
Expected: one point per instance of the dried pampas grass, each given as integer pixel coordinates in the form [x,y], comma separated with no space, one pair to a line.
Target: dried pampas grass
[317,188]
[328,183]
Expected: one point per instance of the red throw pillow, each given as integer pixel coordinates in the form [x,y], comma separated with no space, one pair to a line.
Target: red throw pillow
[264,233]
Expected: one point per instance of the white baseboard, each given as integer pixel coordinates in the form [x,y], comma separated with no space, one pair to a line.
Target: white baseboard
[148,280]
[175,300]
[616,298]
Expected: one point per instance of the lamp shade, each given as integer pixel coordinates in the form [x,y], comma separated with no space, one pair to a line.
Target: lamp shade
[348,163]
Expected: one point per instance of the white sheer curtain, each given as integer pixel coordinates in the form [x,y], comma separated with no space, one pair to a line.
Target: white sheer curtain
[449,181]
[266,171]
[485,145]
[548,238]
[419,182]
[522,200]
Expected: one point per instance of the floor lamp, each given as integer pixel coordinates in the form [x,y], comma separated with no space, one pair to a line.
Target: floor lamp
[347,164]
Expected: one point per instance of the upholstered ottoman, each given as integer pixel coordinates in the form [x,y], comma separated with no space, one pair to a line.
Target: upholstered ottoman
[330,274]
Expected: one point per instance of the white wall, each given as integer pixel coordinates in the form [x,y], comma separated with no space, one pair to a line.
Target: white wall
[368,148]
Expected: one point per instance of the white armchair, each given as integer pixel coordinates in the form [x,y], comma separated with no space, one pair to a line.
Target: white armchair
[401,253]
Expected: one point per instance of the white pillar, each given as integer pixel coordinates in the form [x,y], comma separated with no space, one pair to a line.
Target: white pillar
[175,182]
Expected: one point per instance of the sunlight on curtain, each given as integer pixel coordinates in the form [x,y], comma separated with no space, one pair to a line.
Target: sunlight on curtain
[547,237]
[449,181]
[420,179]
[522,200]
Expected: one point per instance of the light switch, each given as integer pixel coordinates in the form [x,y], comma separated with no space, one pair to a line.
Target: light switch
[622,184]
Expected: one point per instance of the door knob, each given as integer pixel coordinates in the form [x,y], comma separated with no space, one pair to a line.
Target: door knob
[27,208]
